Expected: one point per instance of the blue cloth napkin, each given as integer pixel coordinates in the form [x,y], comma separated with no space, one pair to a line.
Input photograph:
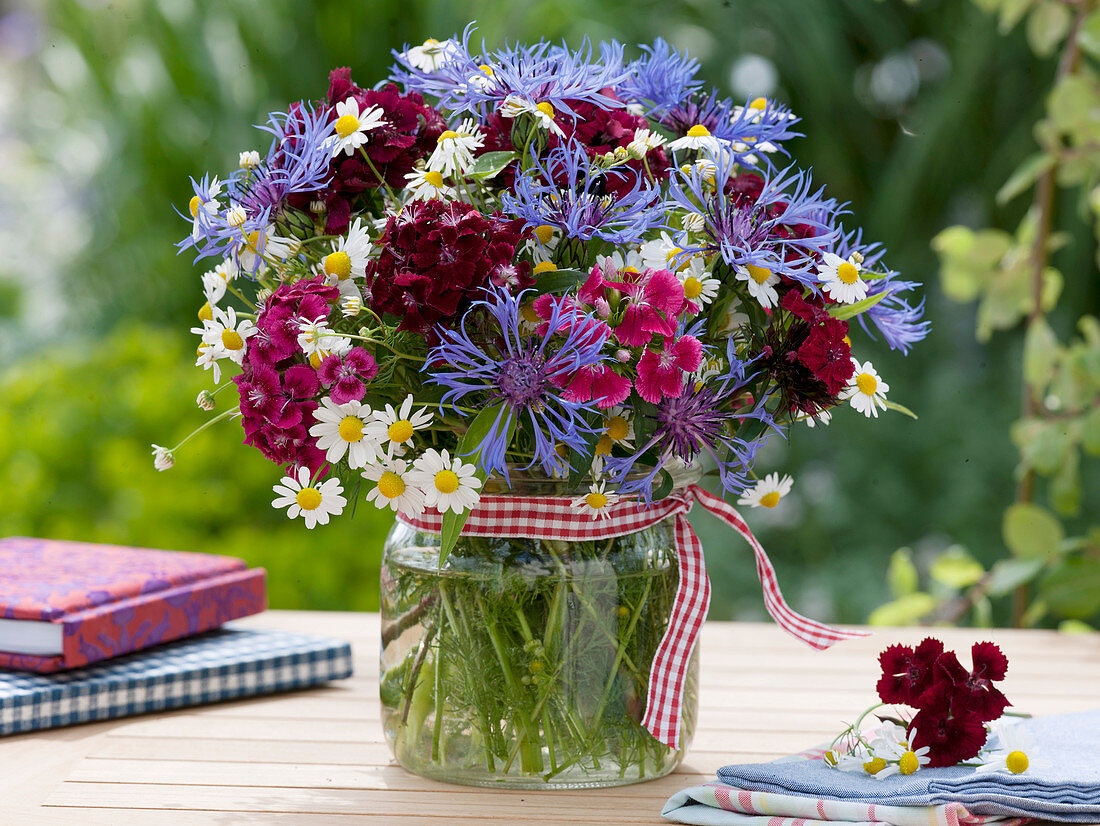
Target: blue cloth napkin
[1067,788]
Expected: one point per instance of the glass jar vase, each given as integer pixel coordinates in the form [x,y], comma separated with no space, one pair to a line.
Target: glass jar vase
[524,663]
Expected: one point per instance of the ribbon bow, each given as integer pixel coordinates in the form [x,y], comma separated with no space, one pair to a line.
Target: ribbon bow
[554,517]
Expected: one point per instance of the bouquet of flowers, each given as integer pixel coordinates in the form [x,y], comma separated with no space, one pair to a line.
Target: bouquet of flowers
[535,263]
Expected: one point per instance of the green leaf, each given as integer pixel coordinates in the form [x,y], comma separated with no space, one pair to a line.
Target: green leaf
[901,576]
[1088,36]
[664,487]
[956,568]
[1090,431]
[1047,25]
[1012,12]
[1073,626]
[845,311]
[491,164]
[1007,575]
[906,610]
[468,448]
[559,281]
[1032,532]
[1024,177]
[900,408]
[1073,588]
[1040,353]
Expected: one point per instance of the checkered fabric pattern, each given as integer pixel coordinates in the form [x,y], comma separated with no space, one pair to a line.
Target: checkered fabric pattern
[555,517]
[221,665]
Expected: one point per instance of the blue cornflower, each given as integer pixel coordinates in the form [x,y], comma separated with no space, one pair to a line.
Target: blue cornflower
[565,190]
[899,321]
[522,373]
[741,131]
[661,79]
[698,423]
[758,232]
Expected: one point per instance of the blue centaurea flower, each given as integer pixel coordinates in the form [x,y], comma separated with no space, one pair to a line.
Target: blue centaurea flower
[899,322]
[523,374]
[661,79]
[698,423]
[758,231]
[564,191]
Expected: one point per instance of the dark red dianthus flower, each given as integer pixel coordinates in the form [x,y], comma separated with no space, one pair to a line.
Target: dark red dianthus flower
[906,672]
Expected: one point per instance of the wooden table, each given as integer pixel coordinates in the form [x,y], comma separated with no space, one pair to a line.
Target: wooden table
[318,756]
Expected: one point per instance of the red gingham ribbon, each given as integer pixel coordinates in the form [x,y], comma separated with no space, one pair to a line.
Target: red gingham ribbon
[555,517]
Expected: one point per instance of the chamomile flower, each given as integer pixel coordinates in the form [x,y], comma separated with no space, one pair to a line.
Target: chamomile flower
[618,429]
[513,106]
[659,253]
[700,288]
[644,141]
[822,418]
[1013,750]
[448,484]
[317,340]
[541,247]
[840,278]
[352,126]
[395,428]
[426,184]
[314,503]
[761,283]
[865,390]
[223,337]
[342,429]
[394,488]
[260,248]
[431,54]
[454,150]
[204,205]
[351,305]
[597,502]
[893,745]
[767,492]
[698,137]
[350,255]
[162,458]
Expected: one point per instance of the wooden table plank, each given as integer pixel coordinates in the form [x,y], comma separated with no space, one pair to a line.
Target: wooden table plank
[319,757]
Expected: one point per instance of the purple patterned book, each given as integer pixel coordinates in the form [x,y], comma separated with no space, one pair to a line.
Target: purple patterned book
[67,604]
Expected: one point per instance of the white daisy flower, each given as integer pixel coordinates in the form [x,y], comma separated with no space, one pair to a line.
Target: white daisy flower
[351,305]
[822,418]
[213,289]
[840,279]
[352,126]
[707,370]
[431,54]
[314,503]
[892,744]
[597,501]
[767,492]
[542,246]
[735,319]
[1009,748]
[618,429]
[162,458]
[644,141]
[318,341]
[514,106]
[700,288]
[631,262]
[698,137]
[482,77]
[249,159]
[204,211]
[852,760]
[454,150]
[394,488]
[426,184]
[756,111]
[659,253]
[448,484]
[342,429]
[350,255]
[223,336]
[761,282]
[260,248]
[694,222]
[397,427]
[865,390]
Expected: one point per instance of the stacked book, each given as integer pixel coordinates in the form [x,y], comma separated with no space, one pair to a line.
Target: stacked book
[92,632]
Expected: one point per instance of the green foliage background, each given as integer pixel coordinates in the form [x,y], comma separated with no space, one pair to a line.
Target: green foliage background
[118,103]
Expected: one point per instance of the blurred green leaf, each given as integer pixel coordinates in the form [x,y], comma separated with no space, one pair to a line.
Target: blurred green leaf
[956,568]
[1073,588]
[1040,354]
[1032,532]
[902,574]
[1047,26]
[1024,177]
[1072,626]
[847,311]
[1007,575]
[1088,36]
[906,610]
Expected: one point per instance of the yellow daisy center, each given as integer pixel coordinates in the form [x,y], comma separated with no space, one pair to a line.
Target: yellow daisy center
[201,349]
[908,763]
[770,500]
[338,264]
[431,41]
[544,266]
[446,481]
[618,428]
[758,274]
[693,287]
[847,341]
[449,135]
[874,765]
[253,241]
[529,314]
[391,485]
[546,108]
[308,499]
[351,429]
[194,205]
[759,103]
[629,269]
[847,273]
[596,500]
[604,445]
[205,312]
[698,131]
[316,358]
[346,124]
[400,431]
[1017,762]
[544,233]
[866,383]
[232,340]
[487,69]
[434,178]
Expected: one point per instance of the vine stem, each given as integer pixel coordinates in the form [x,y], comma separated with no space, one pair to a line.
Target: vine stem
[1043,207]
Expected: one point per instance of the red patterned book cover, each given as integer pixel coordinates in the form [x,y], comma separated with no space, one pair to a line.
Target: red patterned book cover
[109,600]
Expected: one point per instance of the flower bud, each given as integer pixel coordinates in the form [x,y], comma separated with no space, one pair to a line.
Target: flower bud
[162,458]
[205,400]
[250,159]
[622,355]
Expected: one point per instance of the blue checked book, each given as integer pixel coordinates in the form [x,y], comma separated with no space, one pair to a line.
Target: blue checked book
[220,665]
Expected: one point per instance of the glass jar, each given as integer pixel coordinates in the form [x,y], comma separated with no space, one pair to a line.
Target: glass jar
[524,663]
